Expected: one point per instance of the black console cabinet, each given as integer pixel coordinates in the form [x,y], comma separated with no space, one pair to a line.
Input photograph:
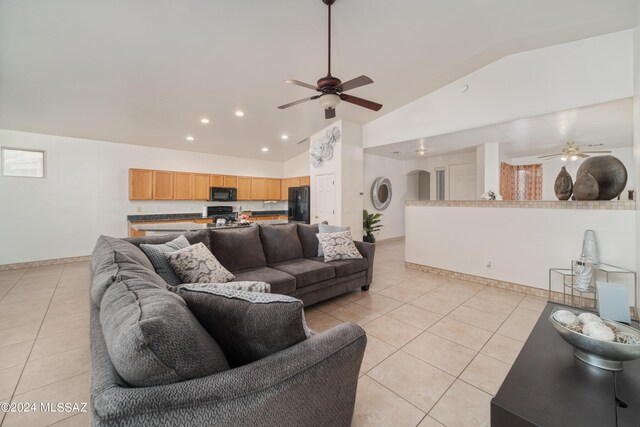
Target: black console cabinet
[547,386]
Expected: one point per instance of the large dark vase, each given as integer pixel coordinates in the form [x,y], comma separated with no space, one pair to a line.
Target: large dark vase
[586,187]
[564,185]
[610,174]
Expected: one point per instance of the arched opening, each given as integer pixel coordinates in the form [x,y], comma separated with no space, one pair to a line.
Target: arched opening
[418,185]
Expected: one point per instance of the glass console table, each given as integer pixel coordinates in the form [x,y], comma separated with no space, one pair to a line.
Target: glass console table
[585,296]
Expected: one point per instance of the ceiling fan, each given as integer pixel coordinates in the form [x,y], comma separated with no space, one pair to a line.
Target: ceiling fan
[572,152]
[331,88]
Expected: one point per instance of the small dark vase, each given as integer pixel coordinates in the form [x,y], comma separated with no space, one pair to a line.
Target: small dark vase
[586,187]
[564,185]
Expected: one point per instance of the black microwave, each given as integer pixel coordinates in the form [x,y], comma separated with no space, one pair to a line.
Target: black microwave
[220,194]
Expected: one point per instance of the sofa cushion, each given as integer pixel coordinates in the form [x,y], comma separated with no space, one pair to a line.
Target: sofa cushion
[200,236]
[306,271]
[338,245]
[280,242]
[238,249]
[346,267]
[247,325]
[196,264]
[152,338]
[103,266]
[281,282]
[156,254]
[326,228]
[130,269]
[308,239]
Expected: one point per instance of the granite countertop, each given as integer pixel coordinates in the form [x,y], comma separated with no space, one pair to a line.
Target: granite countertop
[182,226]
[191,215]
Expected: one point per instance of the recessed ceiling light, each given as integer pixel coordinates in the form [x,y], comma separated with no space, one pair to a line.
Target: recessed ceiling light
[190,138]
[265,149]
[239,113]
[285,137]
[205,121]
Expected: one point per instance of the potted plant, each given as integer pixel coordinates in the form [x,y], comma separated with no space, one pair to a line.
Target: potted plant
[370,224]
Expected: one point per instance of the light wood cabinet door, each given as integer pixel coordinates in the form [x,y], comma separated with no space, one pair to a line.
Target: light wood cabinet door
[294,182]
[201,187]
[244,188]
[284,189]
[216,180]
[272,190]
[258,188]
[140,184]
[230,181]
[183,186]
[203,221]
[163,185]
[305,180]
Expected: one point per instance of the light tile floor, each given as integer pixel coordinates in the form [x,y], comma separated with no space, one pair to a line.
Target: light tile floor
[437,349]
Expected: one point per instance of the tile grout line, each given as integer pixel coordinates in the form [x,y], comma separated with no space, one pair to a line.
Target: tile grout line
[36,338]
[14,284]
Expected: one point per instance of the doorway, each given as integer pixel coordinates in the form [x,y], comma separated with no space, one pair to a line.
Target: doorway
[325,188]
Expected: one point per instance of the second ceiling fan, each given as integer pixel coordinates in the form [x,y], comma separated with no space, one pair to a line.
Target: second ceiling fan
[331,88]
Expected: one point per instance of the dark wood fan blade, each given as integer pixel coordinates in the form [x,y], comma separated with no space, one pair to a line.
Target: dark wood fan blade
[329,113]
[361,102]
[291,104]
[598,152]
[354,83]
[303,84]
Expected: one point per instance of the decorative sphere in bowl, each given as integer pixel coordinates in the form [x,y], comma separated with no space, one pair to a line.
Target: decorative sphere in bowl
[603,353]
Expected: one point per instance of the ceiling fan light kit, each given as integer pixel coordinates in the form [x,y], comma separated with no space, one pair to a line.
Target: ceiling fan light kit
[331,88]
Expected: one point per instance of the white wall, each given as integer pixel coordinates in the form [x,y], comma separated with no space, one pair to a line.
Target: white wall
[522,244]
[392,217]
[297,166]
[352,178]
[551,168]
[555,78]
[85,193]
[430,164]
[636,133]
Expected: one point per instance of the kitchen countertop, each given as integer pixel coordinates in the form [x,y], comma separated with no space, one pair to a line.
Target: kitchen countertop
[187,216]
[178,227]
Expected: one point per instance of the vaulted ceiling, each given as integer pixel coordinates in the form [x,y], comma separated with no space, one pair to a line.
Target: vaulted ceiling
[145,72]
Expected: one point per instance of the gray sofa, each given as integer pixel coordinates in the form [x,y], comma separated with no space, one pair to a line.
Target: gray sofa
[310,383]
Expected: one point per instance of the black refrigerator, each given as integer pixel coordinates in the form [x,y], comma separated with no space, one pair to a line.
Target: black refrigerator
[299,204]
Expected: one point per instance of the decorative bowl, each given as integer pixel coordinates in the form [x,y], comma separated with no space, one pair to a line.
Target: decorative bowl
[603,354]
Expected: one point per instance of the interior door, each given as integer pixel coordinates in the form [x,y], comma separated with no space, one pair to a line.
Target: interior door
[462,182]
[325,189]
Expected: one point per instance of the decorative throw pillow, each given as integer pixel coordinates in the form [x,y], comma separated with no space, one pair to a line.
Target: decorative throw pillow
[155,253]
[249,286]
[338,245]
[247,325]
[153,338]
[196,264]
[326,228]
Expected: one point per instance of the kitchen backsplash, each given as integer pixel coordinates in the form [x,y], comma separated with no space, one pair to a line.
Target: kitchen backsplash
[160,207]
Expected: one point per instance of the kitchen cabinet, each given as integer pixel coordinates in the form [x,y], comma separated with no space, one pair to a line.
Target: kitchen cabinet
[284,189]
[258,188]
[216,181]
[163,185]
[294,182]
[140,184]
[305,180]
[201,186]
[272,189]
[230,181]
[183,186]
[244,188]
